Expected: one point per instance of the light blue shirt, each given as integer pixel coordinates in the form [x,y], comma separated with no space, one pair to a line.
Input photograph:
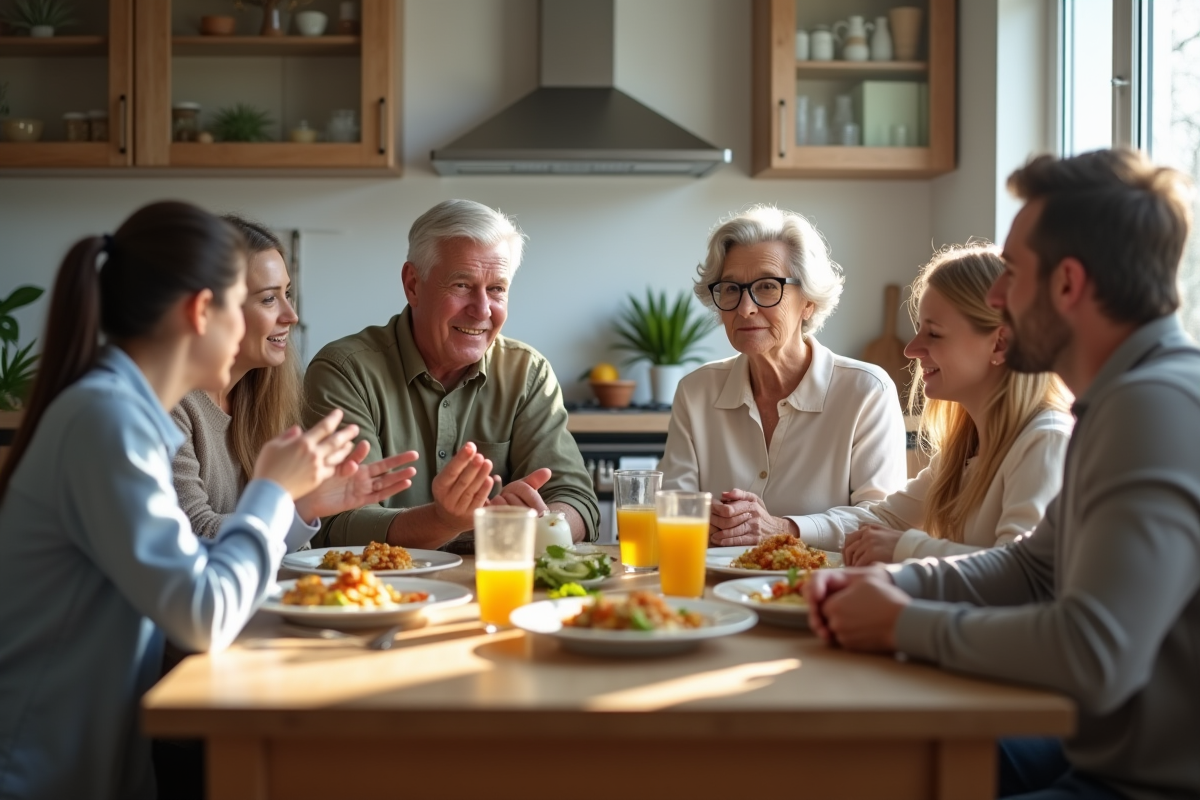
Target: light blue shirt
[97,563]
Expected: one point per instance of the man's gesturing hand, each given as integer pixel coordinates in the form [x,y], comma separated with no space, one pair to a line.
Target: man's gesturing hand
[524,492]
[462,487]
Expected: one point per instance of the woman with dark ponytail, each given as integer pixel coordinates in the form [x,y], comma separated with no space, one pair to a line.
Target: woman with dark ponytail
[98,560]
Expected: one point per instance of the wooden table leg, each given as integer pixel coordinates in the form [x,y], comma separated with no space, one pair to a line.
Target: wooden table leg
[966,770]
[236,769]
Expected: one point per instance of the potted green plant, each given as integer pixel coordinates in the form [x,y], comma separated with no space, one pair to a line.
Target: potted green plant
[16,362]
[241,123]
[668,335]
[40,17]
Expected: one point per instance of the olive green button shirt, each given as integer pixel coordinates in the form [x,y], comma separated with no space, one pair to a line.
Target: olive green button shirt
[510,406]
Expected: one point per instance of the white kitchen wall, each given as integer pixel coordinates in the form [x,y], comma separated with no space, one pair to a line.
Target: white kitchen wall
[592,240]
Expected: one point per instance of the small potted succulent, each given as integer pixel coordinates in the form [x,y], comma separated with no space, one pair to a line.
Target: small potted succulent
[16,362]
[241,123]
[665,334]
[40,17]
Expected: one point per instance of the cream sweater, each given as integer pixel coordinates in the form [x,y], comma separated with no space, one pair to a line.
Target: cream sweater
[1027,480]
[207,476]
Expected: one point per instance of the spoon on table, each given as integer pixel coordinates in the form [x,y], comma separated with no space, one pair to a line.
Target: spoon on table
[381,642]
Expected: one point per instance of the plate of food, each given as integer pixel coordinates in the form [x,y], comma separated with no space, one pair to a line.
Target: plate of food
[632,624]
[359,598]
[774,555]
[385,560]
[777,601]
[588,566]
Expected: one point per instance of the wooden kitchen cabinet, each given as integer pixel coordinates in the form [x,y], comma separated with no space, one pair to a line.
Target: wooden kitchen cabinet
[90,68]
[779,79]
[293,78]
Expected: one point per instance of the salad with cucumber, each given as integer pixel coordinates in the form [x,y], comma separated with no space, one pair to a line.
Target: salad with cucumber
[560,565]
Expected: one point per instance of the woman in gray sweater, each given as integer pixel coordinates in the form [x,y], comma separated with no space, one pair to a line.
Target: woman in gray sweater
[225,430]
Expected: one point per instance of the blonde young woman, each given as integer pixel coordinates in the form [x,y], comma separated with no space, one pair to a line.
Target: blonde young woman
[225,430]
[998,438]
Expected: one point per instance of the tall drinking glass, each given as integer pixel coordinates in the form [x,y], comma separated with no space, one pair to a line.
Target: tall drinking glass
[503,562]
[682,541]
[634,490]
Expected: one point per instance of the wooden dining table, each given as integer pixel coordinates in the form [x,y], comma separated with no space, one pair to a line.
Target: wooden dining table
[452,712]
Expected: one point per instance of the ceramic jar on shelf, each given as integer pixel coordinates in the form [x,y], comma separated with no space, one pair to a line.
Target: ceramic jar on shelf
[854,40]
[821,43]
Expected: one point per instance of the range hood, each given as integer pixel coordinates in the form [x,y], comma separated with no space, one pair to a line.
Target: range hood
[576,122]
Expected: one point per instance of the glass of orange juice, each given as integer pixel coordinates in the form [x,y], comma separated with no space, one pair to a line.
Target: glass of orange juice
[682,541]
[633,491]
[503,562]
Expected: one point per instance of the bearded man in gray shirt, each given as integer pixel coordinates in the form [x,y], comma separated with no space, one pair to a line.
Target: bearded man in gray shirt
[1102,601]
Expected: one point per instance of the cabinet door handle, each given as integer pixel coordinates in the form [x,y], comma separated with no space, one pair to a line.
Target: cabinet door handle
[382,126]
[782,128]
[122,123]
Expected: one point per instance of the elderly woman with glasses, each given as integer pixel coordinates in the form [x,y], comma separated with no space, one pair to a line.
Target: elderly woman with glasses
[787,428]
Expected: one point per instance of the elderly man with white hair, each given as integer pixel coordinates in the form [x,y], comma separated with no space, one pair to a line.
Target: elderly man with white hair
[483,410]
[788,427]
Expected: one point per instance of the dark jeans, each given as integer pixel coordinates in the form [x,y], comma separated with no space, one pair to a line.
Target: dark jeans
[179,768]
[1036,769]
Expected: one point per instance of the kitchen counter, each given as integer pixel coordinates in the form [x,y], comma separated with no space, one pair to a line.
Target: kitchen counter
[453,712]
[604,420]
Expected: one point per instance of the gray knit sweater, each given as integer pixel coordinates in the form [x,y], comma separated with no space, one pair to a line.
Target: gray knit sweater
[208,478]
[1102,601]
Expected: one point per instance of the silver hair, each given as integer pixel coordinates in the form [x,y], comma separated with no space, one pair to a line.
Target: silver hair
[462,219]
[808,257]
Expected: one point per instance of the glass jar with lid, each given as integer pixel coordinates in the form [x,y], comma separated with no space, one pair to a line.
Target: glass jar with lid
[76,125]
[185,122]
[97,125]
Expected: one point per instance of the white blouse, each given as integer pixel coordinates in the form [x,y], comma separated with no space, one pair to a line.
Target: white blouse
[839,441]
[1027,480]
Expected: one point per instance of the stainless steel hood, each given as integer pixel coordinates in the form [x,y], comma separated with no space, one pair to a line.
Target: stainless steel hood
[576,122]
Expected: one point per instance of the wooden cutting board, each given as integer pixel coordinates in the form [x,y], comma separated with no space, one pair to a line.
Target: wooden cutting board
[888,350]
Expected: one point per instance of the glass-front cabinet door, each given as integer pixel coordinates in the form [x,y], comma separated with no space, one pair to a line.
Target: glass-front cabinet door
[266,84]
[66,89]
[854,90]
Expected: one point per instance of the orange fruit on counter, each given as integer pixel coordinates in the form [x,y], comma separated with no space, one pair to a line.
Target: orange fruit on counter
[604,372]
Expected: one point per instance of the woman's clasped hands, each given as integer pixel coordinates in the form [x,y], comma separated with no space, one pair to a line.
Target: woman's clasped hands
[740,518]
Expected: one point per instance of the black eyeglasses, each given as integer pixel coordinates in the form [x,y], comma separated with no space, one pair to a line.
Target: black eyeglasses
[765,292]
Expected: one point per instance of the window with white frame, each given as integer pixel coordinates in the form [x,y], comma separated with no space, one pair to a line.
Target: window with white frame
[1131,75]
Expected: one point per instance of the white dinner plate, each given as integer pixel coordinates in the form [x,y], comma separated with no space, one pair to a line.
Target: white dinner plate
[718,559]
[545,618]
[441,594]
[738,591]
[423,561]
